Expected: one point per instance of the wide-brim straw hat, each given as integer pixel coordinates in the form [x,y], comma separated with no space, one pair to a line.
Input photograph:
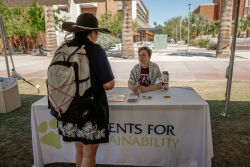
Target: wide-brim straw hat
[84,22]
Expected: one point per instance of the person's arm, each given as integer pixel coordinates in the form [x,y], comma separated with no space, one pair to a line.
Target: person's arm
[144,89]
[109,85]
[132,86]
[132,81]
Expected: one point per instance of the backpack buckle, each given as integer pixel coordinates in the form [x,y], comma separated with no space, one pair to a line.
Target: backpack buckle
[59,113]
[85,113]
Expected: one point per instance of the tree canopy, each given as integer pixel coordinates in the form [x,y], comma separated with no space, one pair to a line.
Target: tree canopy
[26,23]
[200,25]
[23,22]
[113,22]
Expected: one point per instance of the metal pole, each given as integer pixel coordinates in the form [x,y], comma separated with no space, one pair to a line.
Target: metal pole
[180,28]
[188,27]
[106,6]
[175,30]
[4,45]
[106,9]
[232,60]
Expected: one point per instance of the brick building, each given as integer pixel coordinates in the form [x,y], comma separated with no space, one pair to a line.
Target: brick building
[139,13]
[72,10]
[212,10]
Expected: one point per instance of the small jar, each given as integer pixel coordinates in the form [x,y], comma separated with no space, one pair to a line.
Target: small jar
[165,76]
[165,80]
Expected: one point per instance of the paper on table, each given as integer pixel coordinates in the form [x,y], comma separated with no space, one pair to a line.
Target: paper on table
[116,97]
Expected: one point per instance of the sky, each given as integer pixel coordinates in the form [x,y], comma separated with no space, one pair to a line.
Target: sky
[162,10]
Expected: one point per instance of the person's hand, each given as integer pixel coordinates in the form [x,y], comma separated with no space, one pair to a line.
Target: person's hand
[135,88]
[142,89]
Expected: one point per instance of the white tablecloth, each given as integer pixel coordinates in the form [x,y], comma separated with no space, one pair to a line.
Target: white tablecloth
[160,131]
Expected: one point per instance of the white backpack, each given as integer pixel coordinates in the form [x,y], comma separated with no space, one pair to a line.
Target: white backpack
[69,83]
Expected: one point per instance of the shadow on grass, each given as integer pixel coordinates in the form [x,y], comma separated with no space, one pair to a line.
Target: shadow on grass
[190,54]
[114,54]
[231,136]
[15,134]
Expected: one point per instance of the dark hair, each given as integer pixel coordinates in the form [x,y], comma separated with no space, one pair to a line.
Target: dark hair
[81,38]
[148,50]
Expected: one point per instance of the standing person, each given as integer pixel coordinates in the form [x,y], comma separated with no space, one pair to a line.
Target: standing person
[145,76]
[93,128]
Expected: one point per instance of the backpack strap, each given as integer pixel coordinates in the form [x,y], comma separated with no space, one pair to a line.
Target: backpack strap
[60,63]
[73,53]
[82,51]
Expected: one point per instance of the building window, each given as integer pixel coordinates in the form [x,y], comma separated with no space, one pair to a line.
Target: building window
[246,10]
[247,3]
[63,8]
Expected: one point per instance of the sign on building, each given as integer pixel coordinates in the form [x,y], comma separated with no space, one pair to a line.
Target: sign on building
[160,41]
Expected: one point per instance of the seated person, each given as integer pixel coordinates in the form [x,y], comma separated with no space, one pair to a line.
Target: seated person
[145,76]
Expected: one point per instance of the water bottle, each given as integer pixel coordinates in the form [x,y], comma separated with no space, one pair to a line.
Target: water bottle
[165,80]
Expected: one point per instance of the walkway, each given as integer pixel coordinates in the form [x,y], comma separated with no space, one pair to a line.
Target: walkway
[200,64]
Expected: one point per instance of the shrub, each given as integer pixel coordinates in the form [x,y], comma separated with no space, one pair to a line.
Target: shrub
[107,41]
[201,43]
[193,43]
[211,46]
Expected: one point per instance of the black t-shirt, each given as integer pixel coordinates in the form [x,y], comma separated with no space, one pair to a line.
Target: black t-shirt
[100,65]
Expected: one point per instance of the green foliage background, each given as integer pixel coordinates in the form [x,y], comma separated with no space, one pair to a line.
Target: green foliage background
[26,23]
[113,22]
[199,25]
[23,22]
[107,41]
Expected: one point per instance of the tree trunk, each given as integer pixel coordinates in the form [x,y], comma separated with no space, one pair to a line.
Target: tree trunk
[224,38]
[127,49]
[24,45]
[248,34]
[51,42]
[238,35]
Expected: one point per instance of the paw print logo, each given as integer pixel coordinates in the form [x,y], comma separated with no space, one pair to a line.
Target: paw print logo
[50,138]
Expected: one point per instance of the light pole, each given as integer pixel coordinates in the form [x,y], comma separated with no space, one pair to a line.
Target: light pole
[188,26]
[180,28]
[176,31]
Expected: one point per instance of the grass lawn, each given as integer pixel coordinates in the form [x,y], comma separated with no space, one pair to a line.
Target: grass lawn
[231,136]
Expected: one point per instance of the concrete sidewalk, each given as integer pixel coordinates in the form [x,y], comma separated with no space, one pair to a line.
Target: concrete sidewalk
[200,64]
[175,52]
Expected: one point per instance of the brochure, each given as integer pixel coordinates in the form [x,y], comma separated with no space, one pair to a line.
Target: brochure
[116,97]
